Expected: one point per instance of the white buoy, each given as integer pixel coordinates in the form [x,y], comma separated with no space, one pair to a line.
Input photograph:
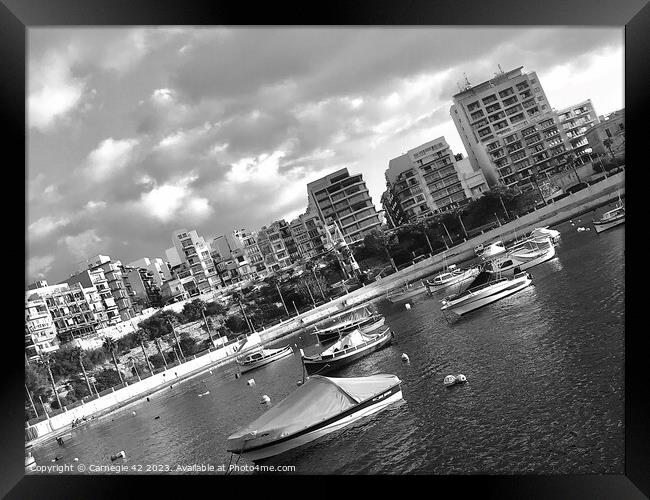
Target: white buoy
[132,413]
[266,399]
[299,383]
[405,358]
[449,380]
[75,459]
[407,305]
[251,382]
[461,378]
[210,372]
[121,454]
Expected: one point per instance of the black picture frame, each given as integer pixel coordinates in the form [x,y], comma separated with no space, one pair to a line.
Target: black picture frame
[16,16]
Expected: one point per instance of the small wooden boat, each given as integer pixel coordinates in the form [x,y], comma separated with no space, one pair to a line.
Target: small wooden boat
[407,292]
[319,406]
[449,277]
[262,357]
[351,347]
[610,219]
[366,325]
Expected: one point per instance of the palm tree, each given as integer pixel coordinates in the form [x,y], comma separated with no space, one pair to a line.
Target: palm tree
[77,353]
[109,345]
[570,161]
[608,143]
[46,360]
[141,339]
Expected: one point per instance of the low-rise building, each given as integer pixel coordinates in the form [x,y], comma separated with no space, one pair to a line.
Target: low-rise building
[40,332]
[608,136]
[76,311]
[96,278]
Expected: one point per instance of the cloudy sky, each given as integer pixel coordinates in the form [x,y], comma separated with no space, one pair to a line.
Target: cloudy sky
[134,133]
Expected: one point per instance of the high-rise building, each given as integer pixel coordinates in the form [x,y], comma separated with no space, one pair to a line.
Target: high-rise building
[492,109]
[576,120]
[423,182]
[76,311]
[196,254]
[343,199]
[473,181]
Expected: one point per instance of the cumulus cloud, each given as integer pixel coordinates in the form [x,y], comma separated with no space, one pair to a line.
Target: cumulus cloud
[109,157]
[175,201]
[46,225]
[83,245]
[39,266]
[53,90]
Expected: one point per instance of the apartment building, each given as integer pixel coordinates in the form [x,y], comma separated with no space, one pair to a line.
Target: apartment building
[423,182]
[113,274]
[253,256]
[76,311]
[96,278]
[142,288]
[40,332]
[343,199]
[158,268]
[576,120]
[491,110]
[193,251]
[473,181]
[529,151]
[308,232]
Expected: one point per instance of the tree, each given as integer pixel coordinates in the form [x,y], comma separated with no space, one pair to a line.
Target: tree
[141,338]
[608,143]
[110,346]
[192,310]
[106,379]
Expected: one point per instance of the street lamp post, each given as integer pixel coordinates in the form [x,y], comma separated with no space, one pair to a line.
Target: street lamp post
[447,231]
[318,283]
[176,337]
[282,299]
[504,208]
[207,327]
[135,368]
[162,354]
[31,400]
[463,226]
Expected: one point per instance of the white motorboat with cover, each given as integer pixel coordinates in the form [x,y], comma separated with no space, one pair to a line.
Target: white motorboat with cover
[485,289]
[320,406]
[524,255]
[349,348]
[542,232]
[410,290]
[344,323]
[260,356]
[610,219]
[451,276]
[492,250]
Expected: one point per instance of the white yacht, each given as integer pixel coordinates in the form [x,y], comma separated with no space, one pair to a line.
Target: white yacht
[485,289]
[450,276]
[542,232]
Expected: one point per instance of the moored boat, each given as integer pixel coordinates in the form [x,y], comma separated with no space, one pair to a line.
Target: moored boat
[366,324]
[492,250]
[541,232]
[318,407]
[451,276]
[485,289]
[610,219]
[262,357]
[406,293]
[349,348]
[522,256]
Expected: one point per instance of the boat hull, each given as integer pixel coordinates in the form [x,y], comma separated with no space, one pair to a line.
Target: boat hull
[322,428]
[473,302]
[247,367]
[603,226]
[329,364]
[331,336]
[433,288]
[406,295]
[524,264]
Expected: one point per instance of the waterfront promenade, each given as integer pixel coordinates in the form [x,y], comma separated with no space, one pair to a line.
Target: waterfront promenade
[572,206]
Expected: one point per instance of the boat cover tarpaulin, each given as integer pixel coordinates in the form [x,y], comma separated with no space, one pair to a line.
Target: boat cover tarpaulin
[318,399]
[352,339]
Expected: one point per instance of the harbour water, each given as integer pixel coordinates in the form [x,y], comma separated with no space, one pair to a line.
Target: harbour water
[545,390]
